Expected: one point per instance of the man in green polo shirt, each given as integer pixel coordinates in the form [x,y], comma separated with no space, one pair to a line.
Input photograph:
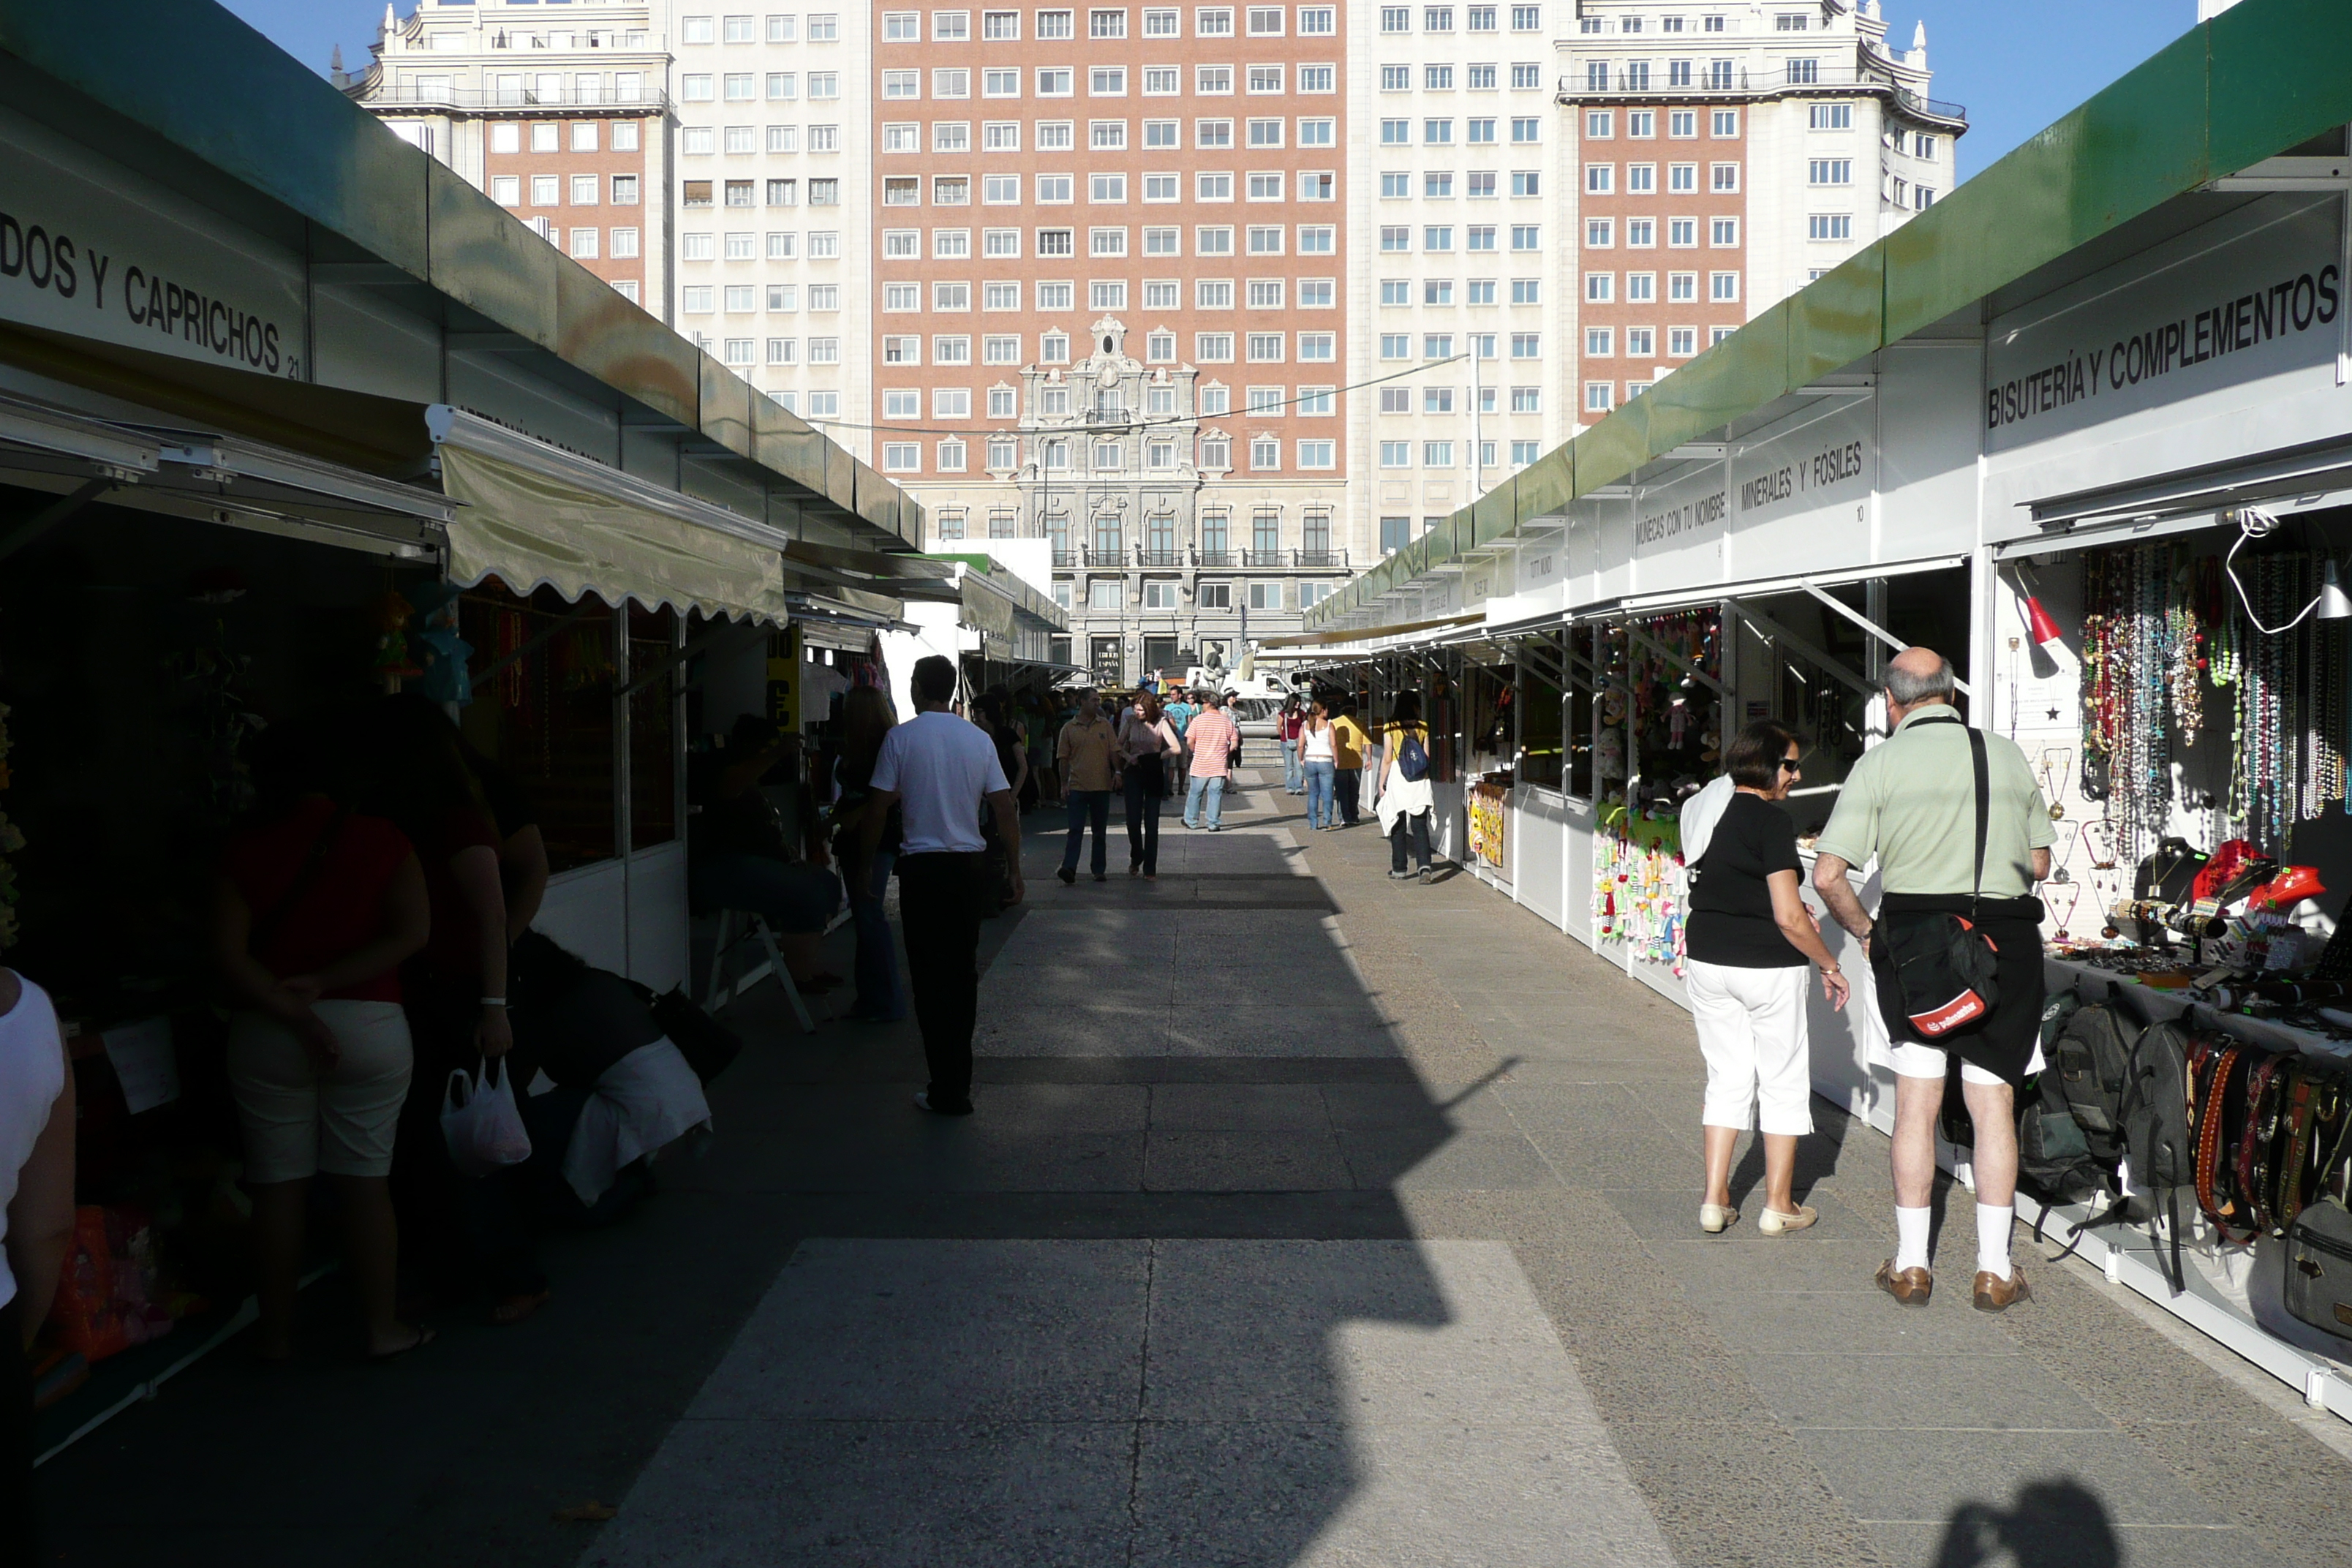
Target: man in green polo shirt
[1910,804]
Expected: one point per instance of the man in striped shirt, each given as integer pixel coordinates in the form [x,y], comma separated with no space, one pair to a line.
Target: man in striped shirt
[1214,738]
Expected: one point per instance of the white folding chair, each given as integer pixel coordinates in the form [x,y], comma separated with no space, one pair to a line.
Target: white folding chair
[736,927]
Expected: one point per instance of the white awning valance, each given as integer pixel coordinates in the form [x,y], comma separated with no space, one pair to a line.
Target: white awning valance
[534,514]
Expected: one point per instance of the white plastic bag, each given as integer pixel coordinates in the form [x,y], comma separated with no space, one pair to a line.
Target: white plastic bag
[478,1118]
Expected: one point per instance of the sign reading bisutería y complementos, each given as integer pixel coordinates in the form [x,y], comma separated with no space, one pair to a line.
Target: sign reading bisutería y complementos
[95,249]
[2208,310]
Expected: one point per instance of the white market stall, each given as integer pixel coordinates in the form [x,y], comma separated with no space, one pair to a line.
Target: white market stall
[2073,384]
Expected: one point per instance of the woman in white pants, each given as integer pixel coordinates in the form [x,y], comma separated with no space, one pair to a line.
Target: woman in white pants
[1750,941]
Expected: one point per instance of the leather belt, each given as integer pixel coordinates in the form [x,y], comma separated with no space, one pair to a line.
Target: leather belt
[2264,1082]
[2303,1108]
[2217,1204]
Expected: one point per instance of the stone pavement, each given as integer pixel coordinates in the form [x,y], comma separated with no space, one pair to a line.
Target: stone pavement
[1307,1219]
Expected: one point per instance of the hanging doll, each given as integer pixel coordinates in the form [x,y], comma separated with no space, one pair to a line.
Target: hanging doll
[390,614]
[441,653]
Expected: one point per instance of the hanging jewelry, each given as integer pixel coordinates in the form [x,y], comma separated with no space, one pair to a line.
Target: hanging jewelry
[2055,761]
[2060,916]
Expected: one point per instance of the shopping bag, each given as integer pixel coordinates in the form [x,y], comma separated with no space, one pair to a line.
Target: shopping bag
[479,1121]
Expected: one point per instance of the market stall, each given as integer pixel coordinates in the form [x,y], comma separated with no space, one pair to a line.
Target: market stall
[2086,431]
[326,461]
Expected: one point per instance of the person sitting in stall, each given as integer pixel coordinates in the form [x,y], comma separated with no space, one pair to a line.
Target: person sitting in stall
[316,909]
[739,859]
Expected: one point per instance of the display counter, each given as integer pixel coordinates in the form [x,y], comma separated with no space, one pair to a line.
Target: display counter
[2230,1292]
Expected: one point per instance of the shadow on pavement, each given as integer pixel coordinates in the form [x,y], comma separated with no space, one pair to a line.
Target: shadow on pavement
[1158,1303]
[2051,1524]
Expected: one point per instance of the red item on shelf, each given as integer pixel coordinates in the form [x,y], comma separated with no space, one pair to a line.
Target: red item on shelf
[2228,859]
[85,1315]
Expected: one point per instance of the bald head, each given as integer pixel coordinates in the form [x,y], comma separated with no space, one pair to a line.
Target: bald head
[1918,676]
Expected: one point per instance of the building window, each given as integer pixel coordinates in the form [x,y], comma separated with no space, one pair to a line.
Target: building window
[1829,171]
[1829,226]
[902,457]
[1723,287]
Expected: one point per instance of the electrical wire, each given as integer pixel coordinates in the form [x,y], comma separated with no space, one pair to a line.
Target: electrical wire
[2255,523]
[1125,424]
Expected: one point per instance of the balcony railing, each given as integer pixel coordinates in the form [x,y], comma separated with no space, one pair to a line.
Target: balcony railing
[1159,558]
[651,100]
[1215,560]
[1745,83]
[1323,560]
[1067,558]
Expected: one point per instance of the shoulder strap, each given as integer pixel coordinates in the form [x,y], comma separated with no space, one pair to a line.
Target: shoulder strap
[1984,810]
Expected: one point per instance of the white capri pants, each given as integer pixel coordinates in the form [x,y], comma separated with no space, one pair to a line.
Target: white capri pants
[1752,1032]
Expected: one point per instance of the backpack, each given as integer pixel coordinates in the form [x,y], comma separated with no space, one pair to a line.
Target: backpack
[1958,1127]
[2054,1158]
[1413,759]
[2155,1122]
[2089,1061]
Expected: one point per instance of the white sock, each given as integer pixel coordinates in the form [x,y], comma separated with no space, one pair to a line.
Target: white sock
[1910,1239]
[1992,1237]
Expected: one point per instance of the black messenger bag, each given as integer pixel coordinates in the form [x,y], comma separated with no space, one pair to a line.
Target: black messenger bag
[1944,965]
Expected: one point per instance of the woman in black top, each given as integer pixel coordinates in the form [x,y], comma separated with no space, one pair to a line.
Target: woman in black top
[1749,940]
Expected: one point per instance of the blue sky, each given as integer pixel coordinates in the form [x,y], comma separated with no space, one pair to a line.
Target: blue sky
[2017,64]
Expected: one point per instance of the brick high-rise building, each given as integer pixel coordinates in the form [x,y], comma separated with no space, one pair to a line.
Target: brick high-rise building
[1213,303]
[1110,251]
[560,115]
[1722,157]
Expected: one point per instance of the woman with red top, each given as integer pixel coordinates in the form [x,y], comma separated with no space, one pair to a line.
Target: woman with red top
[314,911]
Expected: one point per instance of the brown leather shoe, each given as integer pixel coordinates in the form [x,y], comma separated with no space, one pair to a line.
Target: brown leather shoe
[1995,1294]
[1910,1287]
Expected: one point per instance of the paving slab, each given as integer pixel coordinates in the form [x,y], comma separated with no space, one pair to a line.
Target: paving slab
[761,1494]
[1293,1161]
[941,1331]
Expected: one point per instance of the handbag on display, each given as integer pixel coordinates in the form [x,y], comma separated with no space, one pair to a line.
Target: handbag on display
[1944,965]
[2318,1289]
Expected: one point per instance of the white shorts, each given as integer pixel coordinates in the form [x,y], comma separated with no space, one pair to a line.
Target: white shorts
[1752,1032]
[1913,1060]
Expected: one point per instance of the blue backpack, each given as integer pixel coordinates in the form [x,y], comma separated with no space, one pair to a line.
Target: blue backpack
[1413,759]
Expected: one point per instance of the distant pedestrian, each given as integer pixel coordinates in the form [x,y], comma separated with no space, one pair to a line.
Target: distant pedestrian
[1750,939]
[1913,802]
[1348,743]
[1318,768]
[941,772]
[1148,750]
[1214,739]
[1234,712]
[1049,772]
[1089,751]
[1286,727]
[1180,711]
[1405,801]
[37,1222]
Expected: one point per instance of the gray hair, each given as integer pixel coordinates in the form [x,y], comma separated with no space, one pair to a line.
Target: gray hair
[1908,688]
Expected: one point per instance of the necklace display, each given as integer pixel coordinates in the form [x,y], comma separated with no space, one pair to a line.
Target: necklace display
[2157,629]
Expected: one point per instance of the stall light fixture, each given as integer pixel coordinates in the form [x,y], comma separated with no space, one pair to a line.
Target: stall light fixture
[2332,603]
[2040,623]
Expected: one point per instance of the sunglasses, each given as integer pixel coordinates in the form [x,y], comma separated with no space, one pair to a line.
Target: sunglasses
[1789,765]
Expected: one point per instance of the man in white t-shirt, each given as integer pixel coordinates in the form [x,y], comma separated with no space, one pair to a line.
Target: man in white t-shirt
[940,770]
